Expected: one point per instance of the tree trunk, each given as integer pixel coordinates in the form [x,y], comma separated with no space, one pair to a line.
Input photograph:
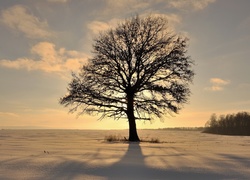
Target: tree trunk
[133,136]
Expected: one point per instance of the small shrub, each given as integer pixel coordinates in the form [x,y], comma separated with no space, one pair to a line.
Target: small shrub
[155,140]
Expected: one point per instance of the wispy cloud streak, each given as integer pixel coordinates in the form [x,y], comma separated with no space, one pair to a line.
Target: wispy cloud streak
[190,4]
[4,114]
[217,84]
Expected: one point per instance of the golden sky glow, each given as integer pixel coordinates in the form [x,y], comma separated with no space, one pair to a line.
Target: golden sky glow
[43,41]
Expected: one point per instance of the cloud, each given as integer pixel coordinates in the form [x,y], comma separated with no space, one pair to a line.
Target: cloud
[96,27]
[219,81]
[58,1]
[190,4]
[217,84]
[19,19]
[48,58]
[130,6]
[118,6]
[173,19]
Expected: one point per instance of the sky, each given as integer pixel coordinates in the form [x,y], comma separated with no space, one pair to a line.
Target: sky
[43,41]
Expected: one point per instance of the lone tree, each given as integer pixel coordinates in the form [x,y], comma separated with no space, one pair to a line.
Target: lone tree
[139,71]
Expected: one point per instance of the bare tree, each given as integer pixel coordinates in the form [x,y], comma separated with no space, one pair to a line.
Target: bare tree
[139,71]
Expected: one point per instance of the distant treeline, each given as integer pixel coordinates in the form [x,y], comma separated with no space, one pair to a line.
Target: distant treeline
[230,124]
[184,128]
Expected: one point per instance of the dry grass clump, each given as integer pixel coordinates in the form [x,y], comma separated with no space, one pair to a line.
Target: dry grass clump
[152,140]
[114,138]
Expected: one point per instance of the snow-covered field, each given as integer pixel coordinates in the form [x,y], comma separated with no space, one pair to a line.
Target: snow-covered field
[83,154]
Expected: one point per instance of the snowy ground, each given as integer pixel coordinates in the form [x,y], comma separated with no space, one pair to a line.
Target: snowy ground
[80,154]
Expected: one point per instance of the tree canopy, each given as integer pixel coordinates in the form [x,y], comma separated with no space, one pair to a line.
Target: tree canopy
[139,70]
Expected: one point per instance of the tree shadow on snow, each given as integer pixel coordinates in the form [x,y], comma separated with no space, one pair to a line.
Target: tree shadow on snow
[130,166]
